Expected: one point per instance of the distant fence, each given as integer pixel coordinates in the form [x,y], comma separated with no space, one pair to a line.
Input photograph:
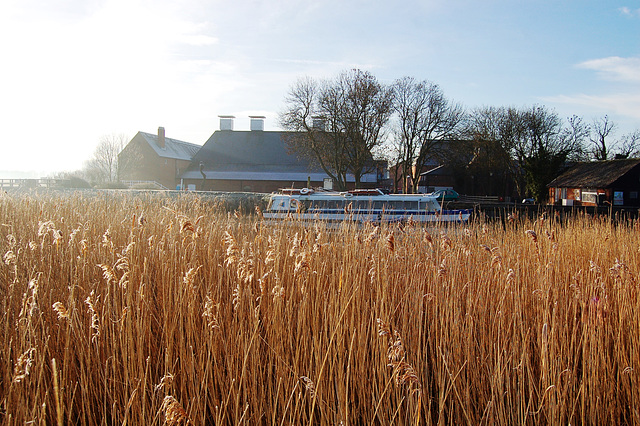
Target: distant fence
[33,183]
[143,183]
[504,211]
[480,199]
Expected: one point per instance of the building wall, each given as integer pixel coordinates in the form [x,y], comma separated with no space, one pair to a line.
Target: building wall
[603,196]
[140,162]
[580,196]
[629,184]
[624,191]
[263,186]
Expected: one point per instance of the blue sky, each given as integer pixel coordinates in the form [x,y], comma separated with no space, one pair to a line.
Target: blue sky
[76,70]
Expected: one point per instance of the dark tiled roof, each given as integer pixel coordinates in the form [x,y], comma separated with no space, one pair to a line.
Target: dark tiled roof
[228,153]
[597,174]
[254,155]
[274,176]
[173,148]
[247,150]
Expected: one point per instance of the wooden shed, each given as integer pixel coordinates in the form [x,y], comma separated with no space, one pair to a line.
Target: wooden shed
[612,182]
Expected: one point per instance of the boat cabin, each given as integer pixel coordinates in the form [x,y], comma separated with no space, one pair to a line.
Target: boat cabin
[351,201]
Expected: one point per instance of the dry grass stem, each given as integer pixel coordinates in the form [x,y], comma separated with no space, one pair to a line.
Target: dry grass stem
[520,320]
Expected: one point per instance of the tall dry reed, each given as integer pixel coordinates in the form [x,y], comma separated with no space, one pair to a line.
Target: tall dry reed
[148,309]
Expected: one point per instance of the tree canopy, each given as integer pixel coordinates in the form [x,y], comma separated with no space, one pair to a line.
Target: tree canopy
[425,118]
[338,123]
[102,167]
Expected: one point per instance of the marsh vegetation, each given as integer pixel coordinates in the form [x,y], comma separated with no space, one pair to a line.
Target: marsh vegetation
[150,310]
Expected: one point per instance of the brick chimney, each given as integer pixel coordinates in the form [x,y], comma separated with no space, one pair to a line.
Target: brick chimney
[257,122]
[226,122]
[161,140]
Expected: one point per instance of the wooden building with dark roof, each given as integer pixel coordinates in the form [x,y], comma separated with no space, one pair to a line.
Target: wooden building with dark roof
[614,182]
[254,160]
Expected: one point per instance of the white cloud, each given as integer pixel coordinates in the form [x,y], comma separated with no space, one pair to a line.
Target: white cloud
[622,104]
[634,13]
[615,68]
[620,99]
[197,39]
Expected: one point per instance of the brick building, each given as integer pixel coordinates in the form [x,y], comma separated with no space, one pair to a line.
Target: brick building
[231,160]
[155,159]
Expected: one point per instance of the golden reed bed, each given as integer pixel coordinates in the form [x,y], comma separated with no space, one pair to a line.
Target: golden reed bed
[121,309]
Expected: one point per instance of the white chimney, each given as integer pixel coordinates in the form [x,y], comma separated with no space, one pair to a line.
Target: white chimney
[226,122]
[318,122]
[257,122]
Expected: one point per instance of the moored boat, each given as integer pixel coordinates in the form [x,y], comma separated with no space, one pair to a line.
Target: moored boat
[364,205]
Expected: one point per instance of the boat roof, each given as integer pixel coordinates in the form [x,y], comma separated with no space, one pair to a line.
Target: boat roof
[358,194]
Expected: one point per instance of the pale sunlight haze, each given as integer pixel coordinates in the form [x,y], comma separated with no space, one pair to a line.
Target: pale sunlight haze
[75,70]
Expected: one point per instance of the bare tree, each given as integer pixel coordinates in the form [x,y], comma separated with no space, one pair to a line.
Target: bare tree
[602,129]
[574,135]
[535,139]
[102,167]
[541,151]
[369,105]
[505,126]
[629,145]
[337,124]
[604,148]
[490,133]
[425,119]
[314,136]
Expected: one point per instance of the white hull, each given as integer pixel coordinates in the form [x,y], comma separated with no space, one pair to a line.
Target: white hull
[446,216]
[367,206]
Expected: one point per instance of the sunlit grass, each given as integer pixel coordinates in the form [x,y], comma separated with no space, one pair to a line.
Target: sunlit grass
[147,309]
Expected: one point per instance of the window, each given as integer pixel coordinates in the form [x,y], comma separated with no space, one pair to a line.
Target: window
[411,205]
[430,206]
[618,198]
[362,204]
[590,197]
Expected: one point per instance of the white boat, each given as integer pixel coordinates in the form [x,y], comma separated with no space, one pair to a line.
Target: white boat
[364,205]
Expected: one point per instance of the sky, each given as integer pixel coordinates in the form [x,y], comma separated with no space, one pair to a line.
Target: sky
[75,71]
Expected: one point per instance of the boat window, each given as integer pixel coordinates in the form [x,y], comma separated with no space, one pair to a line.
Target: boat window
[411,205]
[304,205]
[317,204]
[362,204]
[327,204]
[278,203]
[396,205]
[431,205]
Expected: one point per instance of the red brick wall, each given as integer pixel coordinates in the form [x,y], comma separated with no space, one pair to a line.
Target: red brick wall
[265,186]
[140,162]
